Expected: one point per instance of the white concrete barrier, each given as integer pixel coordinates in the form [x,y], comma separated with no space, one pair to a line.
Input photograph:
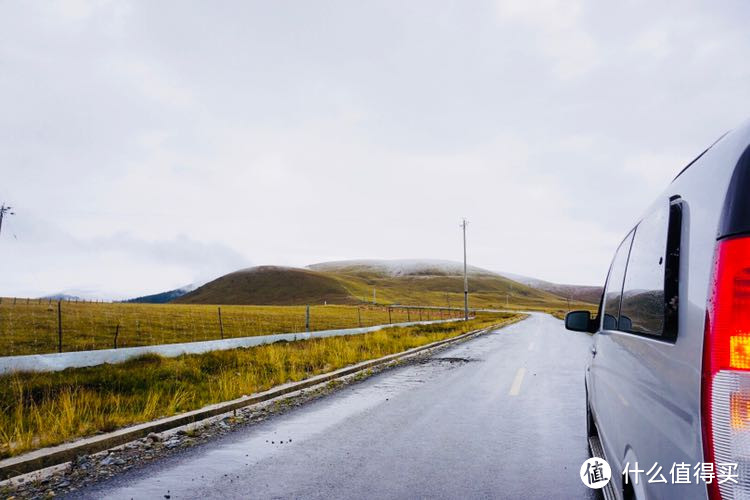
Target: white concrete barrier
[60,361]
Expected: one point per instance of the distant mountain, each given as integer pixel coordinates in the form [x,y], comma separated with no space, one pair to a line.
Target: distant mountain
[583,293]
[62,296]
[163,297]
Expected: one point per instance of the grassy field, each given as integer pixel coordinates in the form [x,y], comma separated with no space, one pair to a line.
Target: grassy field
[43,409]
[31,327]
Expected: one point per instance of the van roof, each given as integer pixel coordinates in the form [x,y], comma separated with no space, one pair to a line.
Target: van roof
[699,156]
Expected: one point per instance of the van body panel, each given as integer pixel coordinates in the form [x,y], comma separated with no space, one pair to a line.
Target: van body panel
[645,392]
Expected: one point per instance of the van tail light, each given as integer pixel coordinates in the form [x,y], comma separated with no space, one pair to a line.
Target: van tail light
[726,367]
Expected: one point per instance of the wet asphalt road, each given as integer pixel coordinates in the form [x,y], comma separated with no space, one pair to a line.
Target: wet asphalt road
[501,416]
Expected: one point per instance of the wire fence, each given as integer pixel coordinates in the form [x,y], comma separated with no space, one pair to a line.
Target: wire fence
[40,326]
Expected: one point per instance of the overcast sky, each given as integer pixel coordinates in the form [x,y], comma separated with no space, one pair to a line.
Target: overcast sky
[148,145]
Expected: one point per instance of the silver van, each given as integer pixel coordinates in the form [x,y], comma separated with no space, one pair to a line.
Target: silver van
[668,384]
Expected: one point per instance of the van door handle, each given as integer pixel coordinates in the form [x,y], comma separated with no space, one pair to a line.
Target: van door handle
[593,350]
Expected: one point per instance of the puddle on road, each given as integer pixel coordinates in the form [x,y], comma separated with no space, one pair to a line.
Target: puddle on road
[449,360]
[193,474]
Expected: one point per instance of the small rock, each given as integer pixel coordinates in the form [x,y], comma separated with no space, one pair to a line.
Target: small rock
[154,437]
[108,460]
[63,484]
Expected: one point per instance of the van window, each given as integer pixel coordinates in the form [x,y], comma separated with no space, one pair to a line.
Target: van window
[613,290]
[644,307]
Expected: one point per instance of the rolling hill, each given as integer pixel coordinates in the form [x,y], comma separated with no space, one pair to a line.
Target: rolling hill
[435,282]
[270,285]
[407,282]
[583,293]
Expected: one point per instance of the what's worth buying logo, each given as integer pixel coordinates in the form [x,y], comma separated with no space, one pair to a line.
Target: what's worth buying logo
[596,473]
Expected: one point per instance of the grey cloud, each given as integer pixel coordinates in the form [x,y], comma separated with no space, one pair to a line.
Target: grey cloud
[168,137]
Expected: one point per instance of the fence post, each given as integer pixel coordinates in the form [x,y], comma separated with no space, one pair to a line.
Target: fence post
[221,325]
[117,332]
[408,314]
[307,318]
[59,326]
[359,316]
[389,316]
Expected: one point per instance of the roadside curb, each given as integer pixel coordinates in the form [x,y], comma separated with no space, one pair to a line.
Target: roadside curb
[56,455]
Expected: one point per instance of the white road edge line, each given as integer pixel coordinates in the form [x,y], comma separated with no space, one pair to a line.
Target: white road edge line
[515,389]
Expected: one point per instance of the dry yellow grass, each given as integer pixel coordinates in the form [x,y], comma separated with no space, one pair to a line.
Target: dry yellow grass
[43,409]
[31,327]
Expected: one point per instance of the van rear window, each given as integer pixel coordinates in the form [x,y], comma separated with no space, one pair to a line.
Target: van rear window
[650,290]
[642,309]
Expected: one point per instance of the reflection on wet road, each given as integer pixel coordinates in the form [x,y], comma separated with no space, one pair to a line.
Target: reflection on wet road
[463,423]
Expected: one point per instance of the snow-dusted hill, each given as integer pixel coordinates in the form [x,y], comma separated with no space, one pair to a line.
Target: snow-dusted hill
[401,267]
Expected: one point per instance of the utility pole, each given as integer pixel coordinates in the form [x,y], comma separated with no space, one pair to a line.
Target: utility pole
[3,211]
[464,222]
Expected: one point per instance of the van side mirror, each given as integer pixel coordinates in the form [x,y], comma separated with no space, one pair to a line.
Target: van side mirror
[578,321]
